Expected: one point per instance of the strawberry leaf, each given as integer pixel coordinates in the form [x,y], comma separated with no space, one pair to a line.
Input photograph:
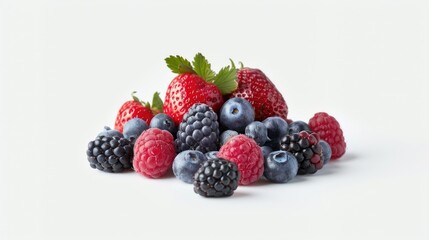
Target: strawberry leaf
[203,68]
[157,104]
[225,80]
[179,65]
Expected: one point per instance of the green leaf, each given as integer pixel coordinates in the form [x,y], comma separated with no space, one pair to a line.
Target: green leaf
[203,68]
[179,65]
[157,104]
[226,80]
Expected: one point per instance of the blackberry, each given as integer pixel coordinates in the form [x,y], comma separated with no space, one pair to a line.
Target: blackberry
[307,150]
[216,178]
[199,130]
[110,154]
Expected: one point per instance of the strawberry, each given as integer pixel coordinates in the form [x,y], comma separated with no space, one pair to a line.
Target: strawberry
[137,109]
[257,88]
[196,83]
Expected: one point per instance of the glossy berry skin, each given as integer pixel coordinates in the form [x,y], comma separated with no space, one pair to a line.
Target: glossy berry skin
[211,155]
[326,151]
[154,153]
[306,149]
[257,88]
[257,131]
[216,178]
[108,132]
[132,109]
[199,130]
[276,129]
[329,130]
[266,150]
[163,122]
[244,151]
[236,114]
[186,90]
[226,135]
[110,154]
[280,167]
[298,126]
[186,164]
[134,127]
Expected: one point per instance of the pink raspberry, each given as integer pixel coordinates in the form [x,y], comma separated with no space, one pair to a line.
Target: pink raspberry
[329,130]
[154,153]
[247,155]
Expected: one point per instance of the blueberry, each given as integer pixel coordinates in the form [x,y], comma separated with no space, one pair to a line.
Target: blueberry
[134,127]
[211,155]
[226,135]
[107,132]
[280,167]
[257,131]
[187,163]
[236,114]
[298,126]
[277,128]
[326,151]
[266,150]
[164,122]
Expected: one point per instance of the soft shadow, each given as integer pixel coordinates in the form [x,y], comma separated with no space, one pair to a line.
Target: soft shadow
[297,179]
[345,158]
[240,194]
[261,182]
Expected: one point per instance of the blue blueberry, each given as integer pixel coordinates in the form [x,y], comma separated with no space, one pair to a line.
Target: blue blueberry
[280,167]
[277,128]
[134,127]
[107,132]
[298,126]
[226,135]
[266,150]
[326,151]
[211,155]
[164,122]
[236,114]
[186,164]
[257,131]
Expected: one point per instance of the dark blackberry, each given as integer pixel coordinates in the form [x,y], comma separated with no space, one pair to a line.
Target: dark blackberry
[306,149]
[199,130]
[216,178]
[110,154]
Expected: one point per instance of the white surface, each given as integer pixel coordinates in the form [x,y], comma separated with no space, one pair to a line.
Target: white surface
[67,66]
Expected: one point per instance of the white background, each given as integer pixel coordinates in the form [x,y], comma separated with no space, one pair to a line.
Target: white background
[67,66]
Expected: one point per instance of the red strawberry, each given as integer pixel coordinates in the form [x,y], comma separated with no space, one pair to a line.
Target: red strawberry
[257,88]
[137,109]
[196,83]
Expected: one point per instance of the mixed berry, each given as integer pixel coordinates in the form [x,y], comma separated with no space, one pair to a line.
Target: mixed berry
[216,130]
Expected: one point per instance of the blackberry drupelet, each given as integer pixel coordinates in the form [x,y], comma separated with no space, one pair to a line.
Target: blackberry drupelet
[306,149]
[199,130]
[110,154]
[216,178]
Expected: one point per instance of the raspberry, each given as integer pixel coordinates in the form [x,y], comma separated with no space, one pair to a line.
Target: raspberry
[246,153]
[306,149]
[154,153]
[329,130]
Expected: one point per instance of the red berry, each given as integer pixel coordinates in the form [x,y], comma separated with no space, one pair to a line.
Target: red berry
[257,88]
[246,153]
[329,130]
[154,153]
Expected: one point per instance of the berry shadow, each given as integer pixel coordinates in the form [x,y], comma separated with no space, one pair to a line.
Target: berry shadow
[345,158]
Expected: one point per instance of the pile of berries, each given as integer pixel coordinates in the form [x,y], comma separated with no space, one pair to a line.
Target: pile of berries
[216,131]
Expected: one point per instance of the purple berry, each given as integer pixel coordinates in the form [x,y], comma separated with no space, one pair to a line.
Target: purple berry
[236,114]
[326,151]
[280,167]
[226,135]
[164,122]
[266,150]
[277,128]
[134,127]
[211,155]
[187,163]
[257,131]
[298,126]
[108,132]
